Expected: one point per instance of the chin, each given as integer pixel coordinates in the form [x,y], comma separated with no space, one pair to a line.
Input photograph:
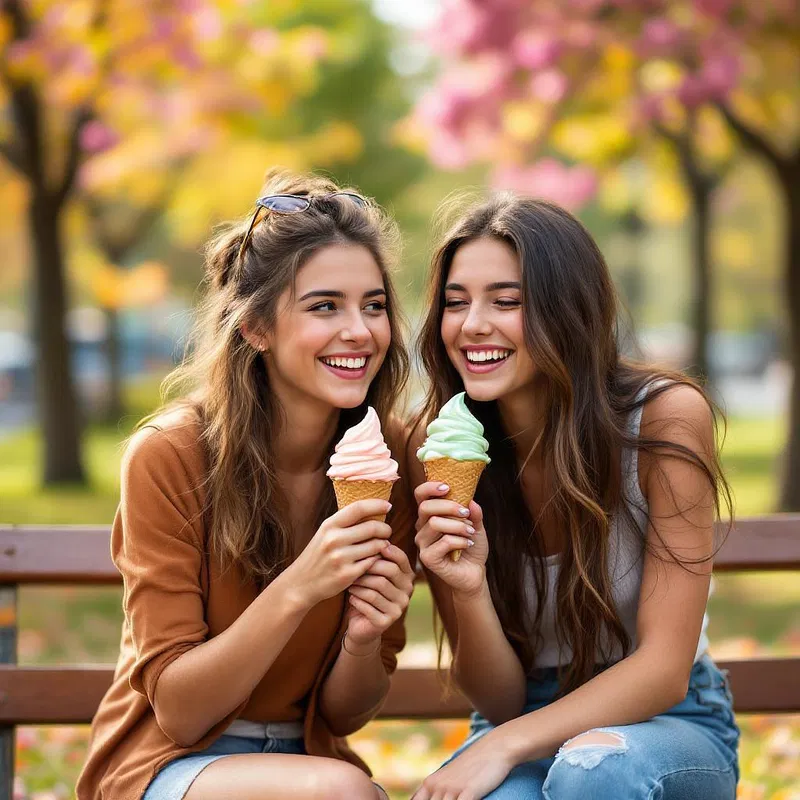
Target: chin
[482,391]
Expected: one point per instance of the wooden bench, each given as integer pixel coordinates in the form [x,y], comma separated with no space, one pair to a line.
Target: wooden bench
[32,695]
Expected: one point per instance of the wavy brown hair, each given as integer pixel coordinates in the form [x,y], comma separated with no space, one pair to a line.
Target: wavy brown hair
[224,379]
[569,307]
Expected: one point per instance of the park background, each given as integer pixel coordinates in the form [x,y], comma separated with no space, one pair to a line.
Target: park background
[129,128]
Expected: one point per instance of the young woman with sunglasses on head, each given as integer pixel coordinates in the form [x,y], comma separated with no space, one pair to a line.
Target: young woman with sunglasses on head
[261,624]
[576,613]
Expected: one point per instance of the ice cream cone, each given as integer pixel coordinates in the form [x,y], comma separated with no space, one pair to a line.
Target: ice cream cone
[455,452]
[461,476]
[349,491]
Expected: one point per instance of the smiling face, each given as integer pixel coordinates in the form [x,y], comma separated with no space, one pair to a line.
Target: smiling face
[332,331]
[482,322]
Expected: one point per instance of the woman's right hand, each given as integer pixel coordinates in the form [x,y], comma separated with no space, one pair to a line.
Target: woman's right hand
[443,527]
[344,547]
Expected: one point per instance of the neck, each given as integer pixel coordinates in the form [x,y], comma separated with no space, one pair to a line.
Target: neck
[306,429]
[524,414]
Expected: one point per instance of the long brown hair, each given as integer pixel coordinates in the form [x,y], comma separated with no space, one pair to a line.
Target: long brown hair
[224,379]
[570,329]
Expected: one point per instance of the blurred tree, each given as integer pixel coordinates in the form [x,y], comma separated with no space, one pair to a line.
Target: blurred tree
[603,76]
[118,89]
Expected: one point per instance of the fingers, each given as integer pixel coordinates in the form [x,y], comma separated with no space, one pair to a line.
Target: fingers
[430,489]
[360,532]
[356,512]
[476,514]
[362,550]
[439,508]
[440,550]
[366,585]
[397,556]
[378,618]
[390,603]
[442,525]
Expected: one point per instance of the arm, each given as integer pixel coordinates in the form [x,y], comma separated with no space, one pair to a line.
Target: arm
[485,666]
[357,685]
[672,601]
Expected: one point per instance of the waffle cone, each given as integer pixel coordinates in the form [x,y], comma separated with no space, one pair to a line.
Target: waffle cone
[462,478]
[349,491]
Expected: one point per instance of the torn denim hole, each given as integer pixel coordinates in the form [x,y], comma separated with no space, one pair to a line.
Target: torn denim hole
[589,755]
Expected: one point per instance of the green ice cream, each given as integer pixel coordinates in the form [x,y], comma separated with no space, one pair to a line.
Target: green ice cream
[455,434]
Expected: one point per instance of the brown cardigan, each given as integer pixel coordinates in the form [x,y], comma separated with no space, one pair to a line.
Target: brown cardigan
[175,598]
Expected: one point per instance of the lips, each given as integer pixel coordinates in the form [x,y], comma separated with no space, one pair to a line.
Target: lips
[480,360]
[350,366]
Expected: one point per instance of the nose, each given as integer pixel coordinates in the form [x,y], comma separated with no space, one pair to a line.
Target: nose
[355,329]
[477,322]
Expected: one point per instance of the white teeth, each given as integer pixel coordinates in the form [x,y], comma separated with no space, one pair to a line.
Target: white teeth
[346,363]
[487,355]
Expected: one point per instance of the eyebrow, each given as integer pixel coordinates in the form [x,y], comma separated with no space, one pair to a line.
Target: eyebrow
[491,287]
[339,295]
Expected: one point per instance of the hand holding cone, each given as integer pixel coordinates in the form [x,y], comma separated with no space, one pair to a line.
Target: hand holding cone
[455,452]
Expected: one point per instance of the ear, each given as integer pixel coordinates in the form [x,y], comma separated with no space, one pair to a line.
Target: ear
[258,341]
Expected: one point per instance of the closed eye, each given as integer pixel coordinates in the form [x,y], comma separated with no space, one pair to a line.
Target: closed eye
[454,302]
[504,302]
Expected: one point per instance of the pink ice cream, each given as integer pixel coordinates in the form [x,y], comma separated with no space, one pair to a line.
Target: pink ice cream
[362,454]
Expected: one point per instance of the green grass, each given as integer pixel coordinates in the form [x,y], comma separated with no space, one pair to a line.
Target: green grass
[748,612]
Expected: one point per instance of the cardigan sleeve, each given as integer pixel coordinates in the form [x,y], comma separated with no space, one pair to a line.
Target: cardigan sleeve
[158,546]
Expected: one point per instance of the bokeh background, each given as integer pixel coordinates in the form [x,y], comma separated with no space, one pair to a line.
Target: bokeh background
[129,128]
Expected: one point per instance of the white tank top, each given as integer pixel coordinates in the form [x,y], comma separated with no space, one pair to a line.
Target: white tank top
[625,565]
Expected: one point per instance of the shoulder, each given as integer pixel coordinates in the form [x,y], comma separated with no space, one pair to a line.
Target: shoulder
[680,417]
[677,410]
[171,441]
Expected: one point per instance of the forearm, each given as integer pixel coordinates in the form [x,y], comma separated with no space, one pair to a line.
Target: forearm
[485,665]
[355,688]
[206,683]
[635,689]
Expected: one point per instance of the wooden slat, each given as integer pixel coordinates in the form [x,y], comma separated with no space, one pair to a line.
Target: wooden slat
[81,555]
[55,695]
[66,554]
[761,543]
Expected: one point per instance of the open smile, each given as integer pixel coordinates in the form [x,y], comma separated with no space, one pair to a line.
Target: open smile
[485,359]
[350,366]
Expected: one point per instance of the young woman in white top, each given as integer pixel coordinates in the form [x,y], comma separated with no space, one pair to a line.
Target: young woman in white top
[576,612]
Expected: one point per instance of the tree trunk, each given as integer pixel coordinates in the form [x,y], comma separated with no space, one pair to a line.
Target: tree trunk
[790,489]
[701,266]
[56,394]
[114,407]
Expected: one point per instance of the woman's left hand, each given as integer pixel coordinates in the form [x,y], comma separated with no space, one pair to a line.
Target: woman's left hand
[479,770]
[379,597]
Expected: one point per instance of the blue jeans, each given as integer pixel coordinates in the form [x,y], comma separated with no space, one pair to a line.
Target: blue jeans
[686,753]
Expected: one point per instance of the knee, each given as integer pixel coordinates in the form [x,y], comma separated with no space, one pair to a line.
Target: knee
[343,781]
[589,766]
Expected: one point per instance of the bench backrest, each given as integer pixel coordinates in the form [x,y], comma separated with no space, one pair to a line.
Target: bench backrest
[81,556]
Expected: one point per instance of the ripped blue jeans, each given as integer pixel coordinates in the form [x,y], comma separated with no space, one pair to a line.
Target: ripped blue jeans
[686,753]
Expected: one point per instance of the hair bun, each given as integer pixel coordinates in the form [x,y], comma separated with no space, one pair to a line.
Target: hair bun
[223,256]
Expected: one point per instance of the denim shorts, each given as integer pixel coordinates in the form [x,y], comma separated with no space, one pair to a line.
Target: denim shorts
[687,753]
[174,780]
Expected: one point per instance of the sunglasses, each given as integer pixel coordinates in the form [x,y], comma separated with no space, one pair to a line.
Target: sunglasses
[293,204]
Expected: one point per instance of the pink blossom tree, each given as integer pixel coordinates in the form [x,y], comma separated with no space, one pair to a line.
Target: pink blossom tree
[525,80]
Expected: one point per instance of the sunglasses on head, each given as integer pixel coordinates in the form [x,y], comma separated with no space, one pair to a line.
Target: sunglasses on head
[293,204]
